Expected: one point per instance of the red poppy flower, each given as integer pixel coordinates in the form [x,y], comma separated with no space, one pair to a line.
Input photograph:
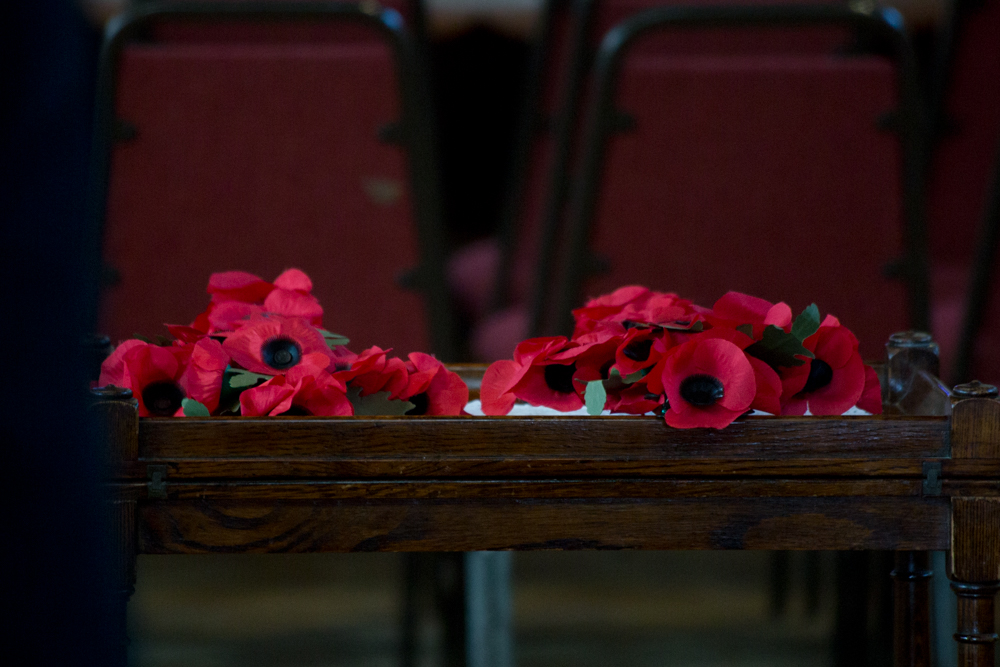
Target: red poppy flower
[289,303]
[635,304]
[186,334]
[871,396]
[153,374]
[238,286]
[272,346]
[302,391]
[637,351]
[533,377]
[832,382]
[633,399]
[238,296]
[231,315]
[432,388]
[202,380]
[734,309]
[592,351]
[374,371]
[607,306]
[708,382]
[294,280]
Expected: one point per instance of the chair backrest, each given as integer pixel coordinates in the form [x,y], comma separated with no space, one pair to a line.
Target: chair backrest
[569,35]
[964,195]
[261,149]
[767,175]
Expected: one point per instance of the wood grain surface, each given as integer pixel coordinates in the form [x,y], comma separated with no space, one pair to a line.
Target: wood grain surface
[270,525]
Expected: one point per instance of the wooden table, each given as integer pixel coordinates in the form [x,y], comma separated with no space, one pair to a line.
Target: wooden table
[293,484]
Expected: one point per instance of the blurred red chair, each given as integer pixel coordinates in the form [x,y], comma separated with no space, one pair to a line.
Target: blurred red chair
[768,175]
[519,264]
[963,240]
[263,136]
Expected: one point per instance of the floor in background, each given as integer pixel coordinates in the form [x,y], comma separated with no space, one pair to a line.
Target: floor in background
[606,609]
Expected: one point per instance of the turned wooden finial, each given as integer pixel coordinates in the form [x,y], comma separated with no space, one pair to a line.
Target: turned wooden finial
[974,389]
[111,392]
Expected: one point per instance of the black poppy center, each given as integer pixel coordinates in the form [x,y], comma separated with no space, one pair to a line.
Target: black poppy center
[702,390]
[638,350]
[162,399]
[420,404]
[560,378]
[820,375]
[281,353]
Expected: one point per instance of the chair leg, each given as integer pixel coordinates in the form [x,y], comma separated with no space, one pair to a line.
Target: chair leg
[780,576]
[912,628]
[851,623]
[489,631]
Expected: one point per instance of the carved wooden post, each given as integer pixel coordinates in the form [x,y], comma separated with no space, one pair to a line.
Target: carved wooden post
[975,526]
[911,353]
[117,414]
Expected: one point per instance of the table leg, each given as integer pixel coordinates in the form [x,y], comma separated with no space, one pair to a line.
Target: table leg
[912,627]
[123,573]
[117,415]
[975,575]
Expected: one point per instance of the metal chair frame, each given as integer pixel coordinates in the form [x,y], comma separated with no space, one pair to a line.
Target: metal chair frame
[909,122]
[416,129]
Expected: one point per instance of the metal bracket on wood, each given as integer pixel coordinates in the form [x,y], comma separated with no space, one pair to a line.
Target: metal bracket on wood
[156,489]
[932,478]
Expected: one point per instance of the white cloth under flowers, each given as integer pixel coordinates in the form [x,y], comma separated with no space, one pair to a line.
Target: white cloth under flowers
[524,410]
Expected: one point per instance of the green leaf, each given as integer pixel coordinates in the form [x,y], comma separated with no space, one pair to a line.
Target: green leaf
[638,375]
[377,404]
[244,379]
[746,329]
[683,325]
[595,397]
[144,339]
[164,341]
[779,348]
[333,339]
[193,408]
[807,323]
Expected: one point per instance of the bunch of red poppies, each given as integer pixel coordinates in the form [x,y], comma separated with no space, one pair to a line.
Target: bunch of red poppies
[636,351]
[260,349]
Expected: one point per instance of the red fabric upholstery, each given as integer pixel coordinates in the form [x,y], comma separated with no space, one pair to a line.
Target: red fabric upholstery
[260,158]
[764,175]
[608,13]
[720,41]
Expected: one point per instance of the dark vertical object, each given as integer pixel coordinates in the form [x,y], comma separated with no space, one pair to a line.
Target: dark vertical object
[540,57]
[780,576]
[54,538]
[911,635]
[813,581]
[975,543]
[982,277]
[449,579]
[117,413]
[850,627]
[409,621]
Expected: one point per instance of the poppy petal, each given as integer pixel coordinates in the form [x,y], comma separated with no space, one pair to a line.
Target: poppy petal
[871,396]
[498,380]
[294,279]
